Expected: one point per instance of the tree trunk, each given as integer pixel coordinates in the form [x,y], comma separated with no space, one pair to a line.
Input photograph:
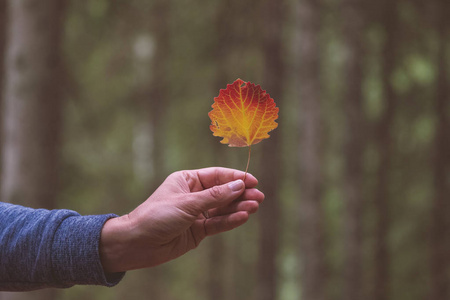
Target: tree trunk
[159,84]
[313,268]
[384,148]
[440,241]
[2,60]
[3,20]
[353,31]
[270,173]
[152,52]
[32,107]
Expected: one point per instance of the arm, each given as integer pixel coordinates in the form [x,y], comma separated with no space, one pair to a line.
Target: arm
[58,248]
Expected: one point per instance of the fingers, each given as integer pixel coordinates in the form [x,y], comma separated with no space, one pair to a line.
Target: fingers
[235,214]
[249,201]
[210,177]
[218,195]
[249,206]
[224,223]
[252,194]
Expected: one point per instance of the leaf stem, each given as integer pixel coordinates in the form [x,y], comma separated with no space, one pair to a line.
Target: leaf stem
[248,161]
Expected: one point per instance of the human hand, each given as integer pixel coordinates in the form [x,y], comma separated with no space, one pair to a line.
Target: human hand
[172,220]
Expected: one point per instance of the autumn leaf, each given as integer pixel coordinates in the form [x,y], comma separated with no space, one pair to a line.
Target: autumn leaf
[243,114]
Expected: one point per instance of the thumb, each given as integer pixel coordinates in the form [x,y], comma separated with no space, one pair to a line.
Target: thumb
[219,195]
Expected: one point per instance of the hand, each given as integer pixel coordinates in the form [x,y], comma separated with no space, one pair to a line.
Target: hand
[186,208]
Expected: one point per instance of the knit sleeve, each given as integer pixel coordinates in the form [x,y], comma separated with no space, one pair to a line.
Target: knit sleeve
[58,248]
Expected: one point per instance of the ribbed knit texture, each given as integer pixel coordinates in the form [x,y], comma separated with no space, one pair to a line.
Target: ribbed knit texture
[57,248]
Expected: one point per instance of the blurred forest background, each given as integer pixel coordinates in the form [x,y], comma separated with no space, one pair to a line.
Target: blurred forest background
[102,99]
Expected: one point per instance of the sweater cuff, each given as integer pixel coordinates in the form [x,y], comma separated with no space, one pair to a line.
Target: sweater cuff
[75,252]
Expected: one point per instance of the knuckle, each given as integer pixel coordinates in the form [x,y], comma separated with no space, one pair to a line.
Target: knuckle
[182,174]
[217,176]
[175,175]
[216,192]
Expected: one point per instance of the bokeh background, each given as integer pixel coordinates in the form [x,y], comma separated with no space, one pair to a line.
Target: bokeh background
[102,99]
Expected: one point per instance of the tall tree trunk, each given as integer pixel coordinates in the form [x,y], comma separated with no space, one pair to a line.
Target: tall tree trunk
[3,17]
[440,241]
[270,173]
[32,107]
[313,268]
[380,289]
[353,31]
[159,85]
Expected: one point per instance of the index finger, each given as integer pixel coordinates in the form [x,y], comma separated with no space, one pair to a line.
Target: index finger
[212,176]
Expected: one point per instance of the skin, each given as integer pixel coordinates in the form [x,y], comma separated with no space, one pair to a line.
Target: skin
[186,208]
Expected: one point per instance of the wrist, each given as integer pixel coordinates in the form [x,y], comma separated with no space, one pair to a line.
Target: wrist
[113,245]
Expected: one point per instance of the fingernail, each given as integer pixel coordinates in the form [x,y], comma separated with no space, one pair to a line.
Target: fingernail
[236,185]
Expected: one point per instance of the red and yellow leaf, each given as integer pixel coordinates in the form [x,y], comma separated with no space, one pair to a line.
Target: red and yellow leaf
[243,114]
